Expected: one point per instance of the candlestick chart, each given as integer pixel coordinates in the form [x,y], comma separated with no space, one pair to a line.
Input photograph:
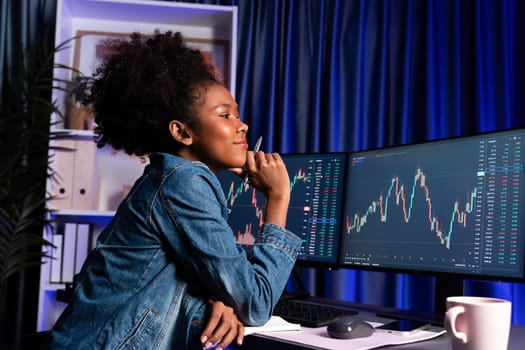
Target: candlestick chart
[314,210]
[450,206]
[402,197]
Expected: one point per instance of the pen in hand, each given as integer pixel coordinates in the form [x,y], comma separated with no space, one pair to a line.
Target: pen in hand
[255,150]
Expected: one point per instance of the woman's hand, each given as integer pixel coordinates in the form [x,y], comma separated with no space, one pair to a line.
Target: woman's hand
[267,173]
[223,326]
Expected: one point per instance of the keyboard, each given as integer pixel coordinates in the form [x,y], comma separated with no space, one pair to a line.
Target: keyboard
[309,313]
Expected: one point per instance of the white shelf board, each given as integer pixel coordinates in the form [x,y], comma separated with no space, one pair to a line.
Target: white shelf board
[152,11]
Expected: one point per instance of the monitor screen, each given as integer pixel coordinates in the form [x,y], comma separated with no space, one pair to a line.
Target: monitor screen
[314,214]
[447,206]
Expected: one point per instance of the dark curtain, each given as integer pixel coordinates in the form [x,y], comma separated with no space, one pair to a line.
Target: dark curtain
[343,75]
[23,24]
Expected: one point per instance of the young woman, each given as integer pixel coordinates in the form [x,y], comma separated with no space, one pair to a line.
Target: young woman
[166,272]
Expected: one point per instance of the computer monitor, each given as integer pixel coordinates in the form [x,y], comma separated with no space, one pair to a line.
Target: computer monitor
[452,206]
[314,214]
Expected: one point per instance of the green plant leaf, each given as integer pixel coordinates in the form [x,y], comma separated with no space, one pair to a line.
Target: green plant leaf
[25,118]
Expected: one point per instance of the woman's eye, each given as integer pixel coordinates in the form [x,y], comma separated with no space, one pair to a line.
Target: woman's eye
[229,116]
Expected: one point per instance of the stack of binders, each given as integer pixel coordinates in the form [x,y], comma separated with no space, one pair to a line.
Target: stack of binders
[74,184]
[73,242]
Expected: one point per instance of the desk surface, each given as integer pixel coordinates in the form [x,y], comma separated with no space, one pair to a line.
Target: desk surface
[369,313]
[256,342]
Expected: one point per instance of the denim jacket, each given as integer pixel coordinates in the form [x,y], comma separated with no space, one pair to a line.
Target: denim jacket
[167,251]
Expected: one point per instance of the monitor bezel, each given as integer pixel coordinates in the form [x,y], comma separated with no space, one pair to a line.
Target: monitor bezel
[309,263]
[414,271]
[328,265]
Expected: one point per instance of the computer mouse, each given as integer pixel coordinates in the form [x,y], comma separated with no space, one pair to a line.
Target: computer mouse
[349,327]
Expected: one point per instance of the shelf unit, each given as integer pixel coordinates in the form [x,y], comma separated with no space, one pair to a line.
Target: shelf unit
[211,28]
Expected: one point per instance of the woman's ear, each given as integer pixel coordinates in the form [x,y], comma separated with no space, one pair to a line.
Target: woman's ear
[180,132]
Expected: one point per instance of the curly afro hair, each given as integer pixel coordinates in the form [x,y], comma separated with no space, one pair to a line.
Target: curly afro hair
[146,82]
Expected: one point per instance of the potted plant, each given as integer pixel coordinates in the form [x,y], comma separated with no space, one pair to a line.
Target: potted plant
[25,113]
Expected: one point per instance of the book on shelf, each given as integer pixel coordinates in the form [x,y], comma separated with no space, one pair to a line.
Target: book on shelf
[72,242]
[56,261]
[83,245]
[69,247]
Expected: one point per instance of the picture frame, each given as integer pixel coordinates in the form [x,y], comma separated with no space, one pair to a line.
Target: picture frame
[89,51]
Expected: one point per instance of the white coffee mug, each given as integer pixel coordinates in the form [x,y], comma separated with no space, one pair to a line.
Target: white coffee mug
[478,323]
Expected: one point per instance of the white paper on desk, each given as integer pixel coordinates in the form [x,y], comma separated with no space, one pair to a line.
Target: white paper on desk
[318,338]
[275,324]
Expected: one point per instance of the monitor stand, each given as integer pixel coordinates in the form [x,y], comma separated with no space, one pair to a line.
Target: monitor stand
[299,289]
[302,292]
[444,288]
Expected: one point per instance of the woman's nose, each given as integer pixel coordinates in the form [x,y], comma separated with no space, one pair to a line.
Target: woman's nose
[242,126]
